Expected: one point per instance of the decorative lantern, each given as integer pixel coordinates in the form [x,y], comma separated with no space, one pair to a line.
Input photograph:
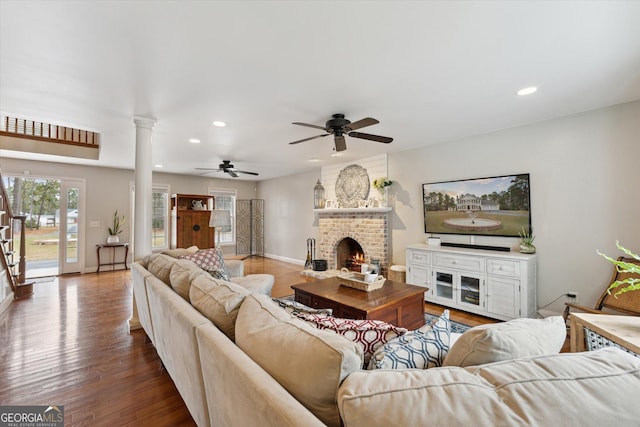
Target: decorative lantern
[318,196]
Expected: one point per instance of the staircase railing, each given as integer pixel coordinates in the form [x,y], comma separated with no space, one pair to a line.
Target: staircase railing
[16,279]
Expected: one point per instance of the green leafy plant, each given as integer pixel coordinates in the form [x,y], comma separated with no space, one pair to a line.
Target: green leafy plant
[630,283]
[526,237]
[118,222]
[380,183]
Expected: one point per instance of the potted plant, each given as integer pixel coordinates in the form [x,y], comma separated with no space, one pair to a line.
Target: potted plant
[116,228]
[526,242]
[381,185]
[630,283]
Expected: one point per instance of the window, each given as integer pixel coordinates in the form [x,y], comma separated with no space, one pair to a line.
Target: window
[226,199]
[159,219]
[159,216]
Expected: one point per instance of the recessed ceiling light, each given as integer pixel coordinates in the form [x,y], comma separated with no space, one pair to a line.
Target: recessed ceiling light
[194,141]
[219,124]
[159,166]
[314,160]
[336,155]
[527,91]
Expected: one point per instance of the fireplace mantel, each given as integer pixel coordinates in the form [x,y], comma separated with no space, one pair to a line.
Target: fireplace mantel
[353,210]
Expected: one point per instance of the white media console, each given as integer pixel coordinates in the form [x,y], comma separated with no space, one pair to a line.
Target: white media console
[496,284]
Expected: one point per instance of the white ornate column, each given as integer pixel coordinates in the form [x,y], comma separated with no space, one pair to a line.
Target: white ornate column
[143,195]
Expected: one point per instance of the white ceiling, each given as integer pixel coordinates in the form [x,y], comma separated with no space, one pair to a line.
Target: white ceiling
[431,72]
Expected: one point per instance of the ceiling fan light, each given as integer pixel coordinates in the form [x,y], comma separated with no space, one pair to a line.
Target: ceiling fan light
[527,91]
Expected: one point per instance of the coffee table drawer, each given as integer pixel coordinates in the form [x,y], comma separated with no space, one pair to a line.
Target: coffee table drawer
[314,301]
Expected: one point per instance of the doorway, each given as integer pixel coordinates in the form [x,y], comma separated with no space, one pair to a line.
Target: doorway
[53,211]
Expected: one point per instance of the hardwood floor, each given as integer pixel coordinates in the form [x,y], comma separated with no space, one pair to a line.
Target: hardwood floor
[68,344]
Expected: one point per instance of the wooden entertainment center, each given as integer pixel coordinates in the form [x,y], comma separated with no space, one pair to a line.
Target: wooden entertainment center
[496,284]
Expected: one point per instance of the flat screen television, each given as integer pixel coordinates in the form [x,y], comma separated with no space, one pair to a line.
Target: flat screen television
[492,206]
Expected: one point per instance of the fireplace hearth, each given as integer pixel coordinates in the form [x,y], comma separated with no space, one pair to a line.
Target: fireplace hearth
[350,237]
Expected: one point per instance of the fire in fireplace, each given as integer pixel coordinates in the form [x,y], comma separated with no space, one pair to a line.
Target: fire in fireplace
[349,254]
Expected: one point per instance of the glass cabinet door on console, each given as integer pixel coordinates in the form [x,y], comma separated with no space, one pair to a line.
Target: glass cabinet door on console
[458,288]
[471,288]
[444,285]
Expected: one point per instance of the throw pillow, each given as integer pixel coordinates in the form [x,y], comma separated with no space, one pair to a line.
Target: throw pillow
[160,266]
[178,252]
[309,363]
[218,301]
[509,340]
[368,334]
[211,261]
[182,273]
[423,348]
[295,308]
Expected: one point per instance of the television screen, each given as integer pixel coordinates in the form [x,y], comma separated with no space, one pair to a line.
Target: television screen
[494,206]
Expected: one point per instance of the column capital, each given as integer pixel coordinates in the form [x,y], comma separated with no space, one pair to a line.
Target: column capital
[144,122]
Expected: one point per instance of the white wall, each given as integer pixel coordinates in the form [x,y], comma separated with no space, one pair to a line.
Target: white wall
[584,180]
[289,219]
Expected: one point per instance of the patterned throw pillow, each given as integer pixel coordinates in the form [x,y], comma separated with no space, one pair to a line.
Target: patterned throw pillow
[368,334]
[296,308]
[211,261]
[423,348]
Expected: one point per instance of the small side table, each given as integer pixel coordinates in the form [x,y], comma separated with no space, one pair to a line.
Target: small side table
[604,330]
[113,247]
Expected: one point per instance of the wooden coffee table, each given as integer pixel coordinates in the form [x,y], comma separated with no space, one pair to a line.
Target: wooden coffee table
[396,303]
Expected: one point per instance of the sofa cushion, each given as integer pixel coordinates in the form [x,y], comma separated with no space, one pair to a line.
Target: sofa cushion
[256,283]
[368,334]
[295,308]
[269,335]
[537,391]
[219,301]
[508,340]
[423,348]
[182,273]
[211,261]
[160,266]
[178,252]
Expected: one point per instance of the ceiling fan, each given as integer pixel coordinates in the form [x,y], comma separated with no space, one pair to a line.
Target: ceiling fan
[227,168]
[338,126]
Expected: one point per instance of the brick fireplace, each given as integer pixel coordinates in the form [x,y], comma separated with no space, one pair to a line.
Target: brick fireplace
[368,227]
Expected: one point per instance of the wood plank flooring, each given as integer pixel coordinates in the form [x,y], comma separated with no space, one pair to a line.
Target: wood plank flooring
[69,345]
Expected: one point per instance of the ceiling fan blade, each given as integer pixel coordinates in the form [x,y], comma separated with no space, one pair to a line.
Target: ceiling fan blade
[248,173]
[309,139]
[232,173]
[309,126]
[208,169]
[376,138]
[341,145]
[367,121]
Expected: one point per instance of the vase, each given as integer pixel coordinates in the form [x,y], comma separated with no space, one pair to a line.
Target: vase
[527,249]
[113,239]
[384,197]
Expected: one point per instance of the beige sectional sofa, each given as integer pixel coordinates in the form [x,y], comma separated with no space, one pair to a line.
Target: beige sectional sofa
[238,359]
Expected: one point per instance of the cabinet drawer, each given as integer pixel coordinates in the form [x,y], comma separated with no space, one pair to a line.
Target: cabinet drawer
[421,258]
[458,262]
[503,267]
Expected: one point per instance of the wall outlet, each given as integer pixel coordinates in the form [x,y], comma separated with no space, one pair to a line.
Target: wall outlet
[572,296]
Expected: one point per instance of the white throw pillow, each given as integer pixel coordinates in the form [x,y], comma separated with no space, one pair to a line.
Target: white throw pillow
[509,340]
